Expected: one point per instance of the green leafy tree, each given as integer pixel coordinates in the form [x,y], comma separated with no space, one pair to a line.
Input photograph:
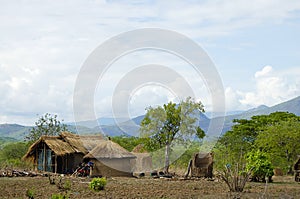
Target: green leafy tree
[241,139]
[46,125]
[170,122]
[259,164]
[282,141]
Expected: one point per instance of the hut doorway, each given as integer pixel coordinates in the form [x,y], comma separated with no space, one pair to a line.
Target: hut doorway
[44,160]
[59,164]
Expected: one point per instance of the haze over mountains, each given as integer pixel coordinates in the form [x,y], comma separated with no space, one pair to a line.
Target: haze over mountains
[109,127]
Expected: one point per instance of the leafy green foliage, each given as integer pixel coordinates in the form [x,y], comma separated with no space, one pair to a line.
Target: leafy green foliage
[67,185]
[14,150]
[98,184]
[6,140]
[260,165]
[248,135]
[60,196]
[46,125]
[128,142]
[282,141]
[184,159]
[163,125]
[30,193]
[12,153]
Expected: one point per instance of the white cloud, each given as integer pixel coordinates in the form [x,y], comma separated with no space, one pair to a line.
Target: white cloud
[43,45]
[265,71]
[271,87]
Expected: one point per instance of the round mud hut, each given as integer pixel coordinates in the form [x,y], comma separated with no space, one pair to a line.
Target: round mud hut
[110,159]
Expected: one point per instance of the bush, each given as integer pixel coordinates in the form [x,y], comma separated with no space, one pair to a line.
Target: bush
[60,196]
[67,185]
[235,177]
[30,193]
[260,165]
[98,184]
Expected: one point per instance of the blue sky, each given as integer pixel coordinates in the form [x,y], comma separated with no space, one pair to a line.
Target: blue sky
[43,45]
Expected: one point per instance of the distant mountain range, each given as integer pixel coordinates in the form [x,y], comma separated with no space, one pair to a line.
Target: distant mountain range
[109,127]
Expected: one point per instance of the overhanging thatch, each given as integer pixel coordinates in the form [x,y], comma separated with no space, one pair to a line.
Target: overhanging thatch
[65,143]
[57,145]
[110,150]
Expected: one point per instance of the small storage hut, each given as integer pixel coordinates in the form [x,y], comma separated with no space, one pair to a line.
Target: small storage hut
[60,154]
[201,165]
[143,161]
[110,159]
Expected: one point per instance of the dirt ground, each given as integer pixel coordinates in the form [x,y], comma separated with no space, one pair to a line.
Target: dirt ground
[118,187]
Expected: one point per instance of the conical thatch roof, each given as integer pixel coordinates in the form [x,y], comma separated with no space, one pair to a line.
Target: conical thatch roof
[109,149]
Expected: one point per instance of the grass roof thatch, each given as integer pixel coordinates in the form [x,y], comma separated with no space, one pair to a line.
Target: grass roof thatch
[58,146]
[65,143]
[82,144]
[139,149]
[109,149]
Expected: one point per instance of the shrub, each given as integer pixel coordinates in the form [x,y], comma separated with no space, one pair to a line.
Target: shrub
[60,196]
[67,185]
[260,165]
[30,193]
[235,177]
[98,184]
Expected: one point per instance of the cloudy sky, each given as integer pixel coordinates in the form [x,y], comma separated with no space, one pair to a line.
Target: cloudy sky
[44,44]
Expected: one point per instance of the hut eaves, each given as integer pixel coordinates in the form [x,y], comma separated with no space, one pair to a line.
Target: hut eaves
[57,145]
[66,143]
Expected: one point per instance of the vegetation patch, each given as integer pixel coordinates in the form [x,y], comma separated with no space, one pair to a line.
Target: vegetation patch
[98,184]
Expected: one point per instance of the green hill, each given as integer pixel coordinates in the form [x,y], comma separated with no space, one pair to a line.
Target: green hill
[131,127]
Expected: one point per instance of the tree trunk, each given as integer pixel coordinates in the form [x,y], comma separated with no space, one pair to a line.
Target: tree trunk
[167,160]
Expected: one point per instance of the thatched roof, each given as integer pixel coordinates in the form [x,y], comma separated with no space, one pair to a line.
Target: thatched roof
[139,149]
[82,144]
[54,143]
[109,149]
[65,143]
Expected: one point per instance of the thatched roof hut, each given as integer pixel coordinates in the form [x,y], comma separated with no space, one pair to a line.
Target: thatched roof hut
[55,143]
[143,161]
[110,159]
[61,153]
